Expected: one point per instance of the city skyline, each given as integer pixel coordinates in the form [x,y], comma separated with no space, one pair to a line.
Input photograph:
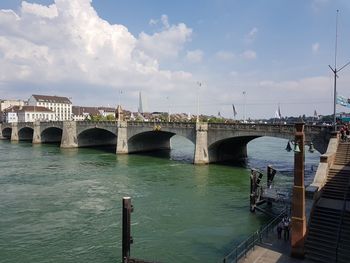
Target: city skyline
[258,55]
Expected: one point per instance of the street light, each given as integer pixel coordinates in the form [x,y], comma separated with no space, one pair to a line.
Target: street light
[297,147]
[199,86]
[335,71]
[244,102]
[168,109]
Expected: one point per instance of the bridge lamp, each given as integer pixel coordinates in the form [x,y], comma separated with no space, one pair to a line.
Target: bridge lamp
[311,147]
[296,146]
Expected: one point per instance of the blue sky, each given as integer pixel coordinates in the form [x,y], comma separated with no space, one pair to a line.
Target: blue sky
[276,51]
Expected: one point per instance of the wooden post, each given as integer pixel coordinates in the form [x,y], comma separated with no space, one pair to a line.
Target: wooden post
[298,202]
[127,240]
[270,175]
[252,191]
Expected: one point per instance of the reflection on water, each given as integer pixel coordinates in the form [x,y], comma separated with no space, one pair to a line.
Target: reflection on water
[64,205]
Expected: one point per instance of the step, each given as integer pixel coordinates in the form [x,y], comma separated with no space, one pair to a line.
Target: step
[319,248]
[319,251]
[326,242]
[319,258]
[325,219]
[317,233]
[332,194]
[327,212]
[330,230]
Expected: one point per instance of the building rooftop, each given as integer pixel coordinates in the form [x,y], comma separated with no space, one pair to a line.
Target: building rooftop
[81,110]
[54,99]
[27,108]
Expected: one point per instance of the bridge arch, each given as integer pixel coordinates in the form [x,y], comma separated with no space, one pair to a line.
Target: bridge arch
[150,141]
[51,135]
[25,134]
[229,149]
[96,137]
[6,133]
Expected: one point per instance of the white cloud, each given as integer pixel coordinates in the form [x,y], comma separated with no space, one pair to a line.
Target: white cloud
[251,36]
[165,21]
[153,22]
[39,10]
[166,43]
[249,54]
[68,42]
[194,56]
[225,55]
[305,86]
[315,47]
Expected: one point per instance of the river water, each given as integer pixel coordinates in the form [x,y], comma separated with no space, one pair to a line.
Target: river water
[64,205]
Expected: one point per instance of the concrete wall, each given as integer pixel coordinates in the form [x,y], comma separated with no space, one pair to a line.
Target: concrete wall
[326,161]
[122,146]
[69,135]
[201,153]
[14,133]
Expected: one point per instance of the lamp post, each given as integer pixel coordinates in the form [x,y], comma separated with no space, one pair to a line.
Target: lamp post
[335,72]
[244,102]
[199,86]
[298,201]
[167,98]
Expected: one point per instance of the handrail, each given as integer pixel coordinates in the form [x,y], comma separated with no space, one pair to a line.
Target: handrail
[245,246]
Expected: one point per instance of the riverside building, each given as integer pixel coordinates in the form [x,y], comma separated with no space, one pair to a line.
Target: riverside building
[6,104]
[61,106]
[28,114]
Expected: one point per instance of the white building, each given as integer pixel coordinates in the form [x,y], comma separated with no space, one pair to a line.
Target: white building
[61,106]
[5,104]
[9,115]
[82,113]
[106,111]
[28,114]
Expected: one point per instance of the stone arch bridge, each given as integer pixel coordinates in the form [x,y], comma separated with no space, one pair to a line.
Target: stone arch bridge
[214,142]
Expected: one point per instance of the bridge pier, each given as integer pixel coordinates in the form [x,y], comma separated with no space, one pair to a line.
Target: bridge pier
[14,132]
[37,133]
[1,137]
[122,138]
[201,147]
[69,135]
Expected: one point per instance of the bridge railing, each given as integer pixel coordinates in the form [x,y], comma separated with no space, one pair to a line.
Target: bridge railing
[287,128]
[254,239]
[162,124]
[88,123]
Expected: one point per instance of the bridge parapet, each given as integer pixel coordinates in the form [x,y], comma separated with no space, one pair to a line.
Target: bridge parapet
[189,125]
[252,127]
[99,123]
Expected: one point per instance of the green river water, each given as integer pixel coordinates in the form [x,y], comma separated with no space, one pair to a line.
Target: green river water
[59,205]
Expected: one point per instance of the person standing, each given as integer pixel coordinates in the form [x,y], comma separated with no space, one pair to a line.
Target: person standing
[286,227]
[279,230]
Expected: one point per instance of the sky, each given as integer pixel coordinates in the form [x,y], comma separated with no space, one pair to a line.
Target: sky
[181,55]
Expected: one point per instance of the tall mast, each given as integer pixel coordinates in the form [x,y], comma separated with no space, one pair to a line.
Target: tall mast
[335,71]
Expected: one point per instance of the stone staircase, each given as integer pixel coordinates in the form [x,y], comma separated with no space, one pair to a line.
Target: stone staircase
[328,237]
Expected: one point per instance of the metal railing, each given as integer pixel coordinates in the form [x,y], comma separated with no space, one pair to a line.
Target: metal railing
[244,247]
